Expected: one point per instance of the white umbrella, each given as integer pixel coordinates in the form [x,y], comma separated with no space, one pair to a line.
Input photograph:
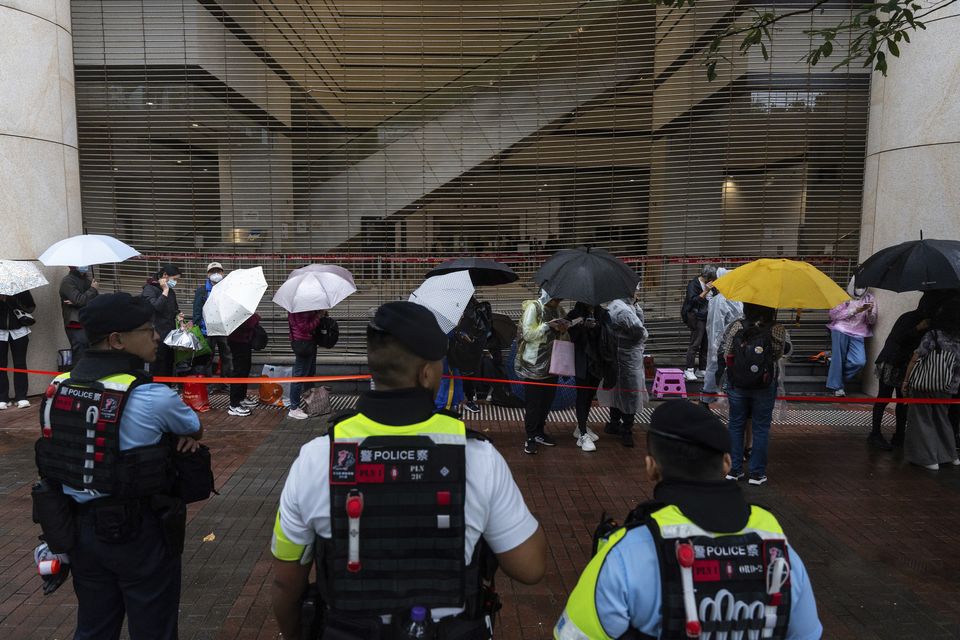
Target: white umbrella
[87,250]
[17,276]
[316,286]
[446,296]
[233,300]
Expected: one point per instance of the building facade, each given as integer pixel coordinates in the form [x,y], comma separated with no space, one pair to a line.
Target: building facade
[388,135]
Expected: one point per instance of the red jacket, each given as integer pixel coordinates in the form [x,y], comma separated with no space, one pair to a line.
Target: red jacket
[303,324]
[244,333]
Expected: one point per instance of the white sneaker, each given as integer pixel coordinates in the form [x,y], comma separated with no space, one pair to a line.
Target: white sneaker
[955,462]
[586,444]
[4,405]
[590,434]
[238,411]
[250,403]
[839,393]
[931,467]
[690,375]
[23,404]
[700,373]
[298,414]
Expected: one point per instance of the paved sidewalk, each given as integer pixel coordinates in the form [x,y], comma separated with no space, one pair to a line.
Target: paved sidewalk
[881,540]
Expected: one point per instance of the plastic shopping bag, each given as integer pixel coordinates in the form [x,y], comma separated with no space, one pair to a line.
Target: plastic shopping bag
[195,395]
[277,394]
[562,359]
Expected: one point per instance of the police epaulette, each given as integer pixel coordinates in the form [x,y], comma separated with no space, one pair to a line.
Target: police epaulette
[141,377]
[476,435]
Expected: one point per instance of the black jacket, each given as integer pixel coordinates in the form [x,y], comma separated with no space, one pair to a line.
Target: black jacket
[693,304]
[588,358]
[23,301]
[76,288]
[165,307]
[903,339]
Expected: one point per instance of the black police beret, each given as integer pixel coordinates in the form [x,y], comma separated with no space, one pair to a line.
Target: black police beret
[112,312]
[414,326]
[682,420]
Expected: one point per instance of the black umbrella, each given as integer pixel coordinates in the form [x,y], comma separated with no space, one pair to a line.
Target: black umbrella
[591,276]
[918,265]
[483,272]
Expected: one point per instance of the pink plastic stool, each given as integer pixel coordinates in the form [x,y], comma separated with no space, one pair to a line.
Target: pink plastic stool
[669,382]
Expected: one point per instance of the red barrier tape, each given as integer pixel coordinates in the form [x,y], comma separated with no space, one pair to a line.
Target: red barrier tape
[263,380]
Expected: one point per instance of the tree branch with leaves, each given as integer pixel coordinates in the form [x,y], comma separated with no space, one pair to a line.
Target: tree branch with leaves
[871,31]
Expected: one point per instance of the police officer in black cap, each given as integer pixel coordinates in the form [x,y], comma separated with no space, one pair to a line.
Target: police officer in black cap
[107,495]
[404,512]
[697,559]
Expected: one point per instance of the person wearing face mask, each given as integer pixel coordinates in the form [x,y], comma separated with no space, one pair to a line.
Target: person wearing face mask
[77,289]
[540,324]
[850,323]
[160,295]
[218,344]
[400,507]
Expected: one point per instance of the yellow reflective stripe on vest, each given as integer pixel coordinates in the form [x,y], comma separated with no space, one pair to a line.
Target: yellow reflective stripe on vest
[441,428]
[580,620]
[673,524]
[116,382]
[282,547]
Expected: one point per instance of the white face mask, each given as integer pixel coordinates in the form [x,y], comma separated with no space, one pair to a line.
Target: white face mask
[216,277]
[171,283]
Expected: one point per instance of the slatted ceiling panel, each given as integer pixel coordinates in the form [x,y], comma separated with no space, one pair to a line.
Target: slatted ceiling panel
[386,136]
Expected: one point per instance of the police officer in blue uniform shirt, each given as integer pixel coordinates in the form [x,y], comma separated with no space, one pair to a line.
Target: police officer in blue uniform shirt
[108,438]
[400,505]
[697,561]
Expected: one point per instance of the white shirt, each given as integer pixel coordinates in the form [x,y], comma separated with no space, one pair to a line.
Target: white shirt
[493,505]
[13,334]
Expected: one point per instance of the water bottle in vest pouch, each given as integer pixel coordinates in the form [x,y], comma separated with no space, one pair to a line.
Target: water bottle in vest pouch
[752,364]
[397,510]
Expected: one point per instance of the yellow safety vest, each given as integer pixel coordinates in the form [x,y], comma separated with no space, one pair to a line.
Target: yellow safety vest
[581,621]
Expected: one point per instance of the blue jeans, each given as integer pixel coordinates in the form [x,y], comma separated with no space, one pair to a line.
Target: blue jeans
[304,365]
[758,404]
[847,359]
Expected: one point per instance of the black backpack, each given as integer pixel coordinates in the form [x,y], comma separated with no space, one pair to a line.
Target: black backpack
[753,364]
[260,338]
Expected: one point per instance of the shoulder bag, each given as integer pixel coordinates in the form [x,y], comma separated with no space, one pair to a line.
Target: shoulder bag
[933,372]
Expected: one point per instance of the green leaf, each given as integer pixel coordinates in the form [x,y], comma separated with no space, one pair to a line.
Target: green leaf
[908,15]
[763,50]
[873,21]
[827,48]
[881,65]
[712,71]
[906,36]
[894,49]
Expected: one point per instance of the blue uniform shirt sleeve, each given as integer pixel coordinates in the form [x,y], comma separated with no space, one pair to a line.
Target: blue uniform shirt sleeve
[152,410]
[628,587]
[804,621]
[628,591]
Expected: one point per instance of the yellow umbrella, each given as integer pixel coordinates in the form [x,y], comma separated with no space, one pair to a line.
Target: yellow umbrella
[781,284]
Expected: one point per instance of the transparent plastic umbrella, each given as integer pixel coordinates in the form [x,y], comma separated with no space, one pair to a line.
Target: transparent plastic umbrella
[17,276]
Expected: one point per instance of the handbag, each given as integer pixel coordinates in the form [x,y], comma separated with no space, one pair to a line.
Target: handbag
[933,372]
[25,319]
[260,338]
[562,359]
[316,401]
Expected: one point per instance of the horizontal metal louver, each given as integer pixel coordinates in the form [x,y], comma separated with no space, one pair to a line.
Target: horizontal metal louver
[387,135]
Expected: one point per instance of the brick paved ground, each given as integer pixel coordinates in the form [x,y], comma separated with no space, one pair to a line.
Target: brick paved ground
[880,539]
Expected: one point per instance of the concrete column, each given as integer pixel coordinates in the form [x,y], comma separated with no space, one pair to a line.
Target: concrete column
[39,170]
[912,174]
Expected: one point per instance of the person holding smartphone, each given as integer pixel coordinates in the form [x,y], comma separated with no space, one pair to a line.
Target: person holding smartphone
[850,323]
